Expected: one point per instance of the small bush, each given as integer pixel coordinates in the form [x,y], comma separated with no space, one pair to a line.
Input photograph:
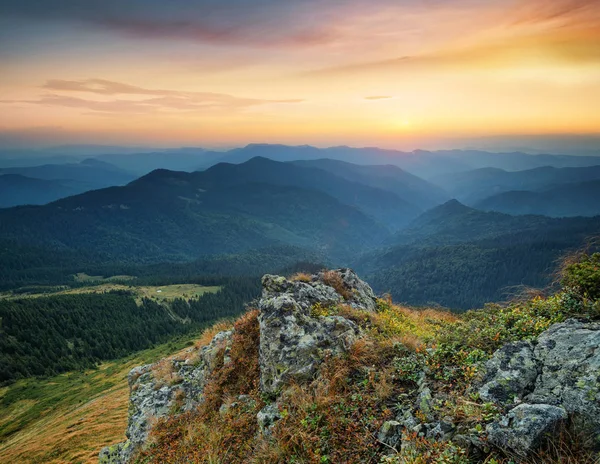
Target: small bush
[583,276]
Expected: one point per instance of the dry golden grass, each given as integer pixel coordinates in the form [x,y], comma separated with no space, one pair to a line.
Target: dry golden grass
[333,279]
[70,417]
[301,277]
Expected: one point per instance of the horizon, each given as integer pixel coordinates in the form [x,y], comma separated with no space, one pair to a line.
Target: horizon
[429,75]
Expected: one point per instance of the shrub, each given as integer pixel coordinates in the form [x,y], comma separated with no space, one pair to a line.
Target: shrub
[583,276]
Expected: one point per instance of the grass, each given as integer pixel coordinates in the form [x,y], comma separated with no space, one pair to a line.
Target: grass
[83,277]
[70,417]
[164,293]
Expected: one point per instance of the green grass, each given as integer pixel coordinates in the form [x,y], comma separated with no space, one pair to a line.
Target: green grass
[164,293]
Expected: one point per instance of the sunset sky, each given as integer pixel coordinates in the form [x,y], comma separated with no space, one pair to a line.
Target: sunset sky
[401,74]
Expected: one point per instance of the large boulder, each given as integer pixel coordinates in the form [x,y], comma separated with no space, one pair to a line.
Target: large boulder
[569,354]
[293,340]
[526,427]
[156,390]
[560,369]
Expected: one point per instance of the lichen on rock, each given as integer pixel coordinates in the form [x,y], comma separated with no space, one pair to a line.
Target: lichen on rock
[292,342]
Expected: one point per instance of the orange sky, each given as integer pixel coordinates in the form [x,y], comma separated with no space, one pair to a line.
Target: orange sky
[388,73]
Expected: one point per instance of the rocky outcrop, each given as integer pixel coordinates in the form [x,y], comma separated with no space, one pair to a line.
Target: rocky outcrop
[157,390]
[556,376]
[293,341]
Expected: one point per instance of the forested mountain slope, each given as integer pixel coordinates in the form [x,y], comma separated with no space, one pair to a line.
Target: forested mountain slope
[171,215]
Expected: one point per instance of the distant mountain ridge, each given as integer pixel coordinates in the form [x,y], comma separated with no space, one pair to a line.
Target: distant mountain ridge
[565,200]
[16,189]
[474,186]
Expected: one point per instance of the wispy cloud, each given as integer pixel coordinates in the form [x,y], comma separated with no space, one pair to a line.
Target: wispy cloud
[378,97]
[163,100]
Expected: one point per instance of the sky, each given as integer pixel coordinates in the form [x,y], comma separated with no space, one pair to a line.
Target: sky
[401,74]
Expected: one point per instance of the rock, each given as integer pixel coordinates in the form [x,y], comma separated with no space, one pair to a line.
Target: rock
[570,376]
[390,434]
[115,454]
[293,342]
[562,368]
[510,373]
[319,289]
[267,417]
[425,403]
[442,430]
[526,427]
[152,397]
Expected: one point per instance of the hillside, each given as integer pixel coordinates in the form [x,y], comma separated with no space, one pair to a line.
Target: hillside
[348,377]
[568,200]
[387,177]
[460,258]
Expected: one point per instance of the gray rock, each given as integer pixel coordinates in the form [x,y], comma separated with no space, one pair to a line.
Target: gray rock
[317,290]
[425,404]
[152,398]
[562,368]
[267,417]
[441,431]
[390,434]
[525,428]
[570,376]
[292,342]
[510,373]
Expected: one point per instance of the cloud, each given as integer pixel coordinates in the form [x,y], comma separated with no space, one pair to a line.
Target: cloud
[162,100]
[262,23]
[378,97]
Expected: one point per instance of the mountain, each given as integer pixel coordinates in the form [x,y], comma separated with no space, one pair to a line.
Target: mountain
[460,257]
[474,186]
[79,177]
[175,215]
[385,206]
[182,159]
[387,177]
[567,200]
[16,189]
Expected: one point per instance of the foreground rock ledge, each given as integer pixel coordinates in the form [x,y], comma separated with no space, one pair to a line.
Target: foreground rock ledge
[539,385]
[293,342]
